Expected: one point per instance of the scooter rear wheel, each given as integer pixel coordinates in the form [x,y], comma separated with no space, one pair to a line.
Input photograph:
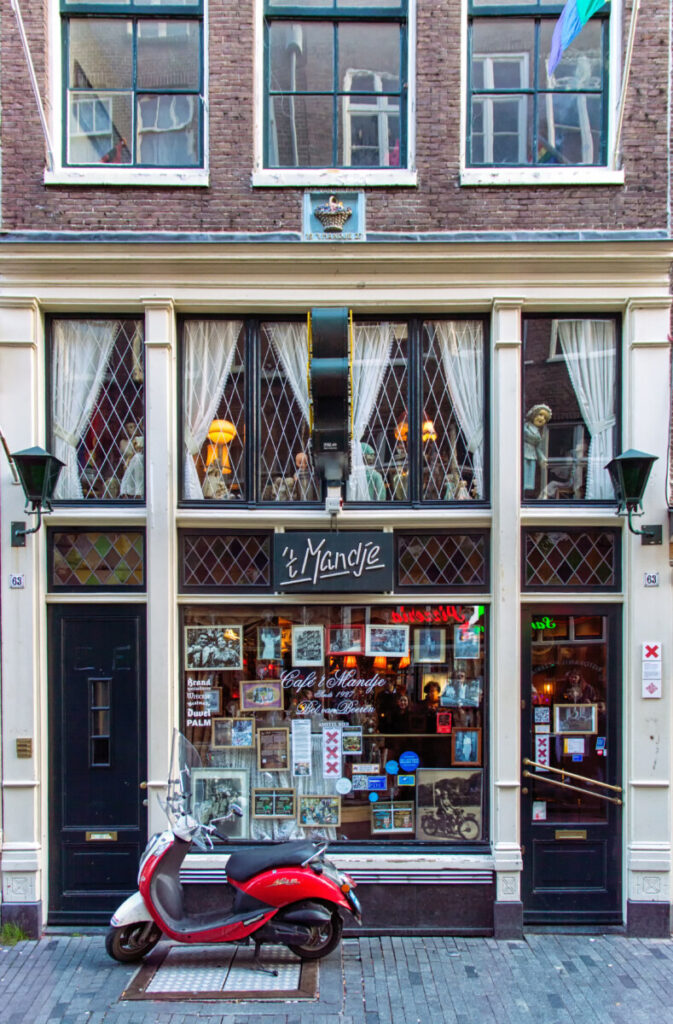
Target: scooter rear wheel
[132,942]
[324,938]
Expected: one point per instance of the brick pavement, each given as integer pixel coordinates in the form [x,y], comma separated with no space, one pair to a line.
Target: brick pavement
[544,979]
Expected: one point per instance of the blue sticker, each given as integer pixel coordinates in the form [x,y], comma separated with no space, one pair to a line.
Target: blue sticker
[373,797]
[377,782]
[600,743]
[409,761]
[406,780]
[392,767]
[577,757]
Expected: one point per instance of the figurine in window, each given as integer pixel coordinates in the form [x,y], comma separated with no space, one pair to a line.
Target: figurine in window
[304,484]
[213,485]
[537,418]
[375,484]
[134,478]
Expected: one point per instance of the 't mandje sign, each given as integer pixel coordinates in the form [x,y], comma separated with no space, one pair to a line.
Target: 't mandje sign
[311,563]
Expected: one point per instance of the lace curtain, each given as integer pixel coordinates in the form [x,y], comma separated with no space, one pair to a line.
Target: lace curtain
[371,355]
[461,345]
[590,353]
[291,344]
[81,352]
[209,353]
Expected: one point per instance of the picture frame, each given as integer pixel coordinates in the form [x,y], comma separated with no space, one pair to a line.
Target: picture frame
[213,791]
[232,732]
[269,643]
[319,810]
[261,695]
[273,750]
[345,639]
[581,719]
[392,816]
[213,647]
[351,739]
[444,722]
[274,802]
[466,746]
[449,804]
[391,641]
[465,643]
[429,645]
[308,646]
[214,701]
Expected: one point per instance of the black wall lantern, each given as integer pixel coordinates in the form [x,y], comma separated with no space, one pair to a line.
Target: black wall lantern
[38,474]
[629,473]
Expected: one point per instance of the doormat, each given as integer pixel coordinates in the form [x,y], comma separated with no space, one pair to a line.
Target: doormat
[223,972]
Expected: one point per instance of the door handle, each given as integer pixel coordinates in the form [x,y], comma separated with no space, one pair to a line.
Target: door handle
[578,789]
[571,775]
[143,785]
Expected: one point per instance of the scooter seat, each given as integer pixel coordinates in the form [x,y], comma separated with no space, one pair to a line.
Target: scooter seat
[244,865]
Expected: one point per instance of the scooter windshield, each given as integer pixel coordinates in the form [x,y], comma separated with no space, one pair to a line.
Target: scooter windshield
[179,801]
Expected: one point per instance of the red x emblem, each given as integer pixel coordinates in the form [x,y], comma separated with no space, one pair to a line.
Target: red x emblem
[652,651]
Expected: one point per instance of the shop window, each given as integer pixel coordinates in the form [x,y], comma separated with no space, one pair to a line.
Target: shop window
[335,84]
[218,561]
[345,722]
[570,429]
[133,83]
[97,409]
[577,558]
[442,560]
[518,114]
[96,559]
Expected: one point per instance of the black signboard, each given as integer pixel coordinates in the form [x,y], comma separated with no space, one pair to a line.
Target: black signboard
[314,563]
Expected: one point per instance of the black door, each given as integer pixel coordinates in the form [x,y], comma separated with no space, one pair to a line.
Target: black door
[98,822]
[571,800]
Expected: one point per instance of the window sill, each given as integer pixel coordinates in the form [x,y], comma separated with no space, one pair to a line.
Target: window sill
[190,177]
[327,177]
[541,176]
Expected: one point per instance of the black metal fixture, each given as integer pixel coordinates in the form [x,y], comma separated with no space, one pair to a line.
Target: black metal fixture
[38,474]
[330,383]
[629,473]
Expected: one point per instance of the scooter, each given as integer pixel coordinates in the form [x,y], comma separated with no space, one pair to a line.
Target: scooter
[286,893]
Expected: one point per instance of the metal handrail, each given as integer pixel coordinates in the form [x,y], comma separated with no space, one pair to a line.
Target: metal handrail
[577,789]
[572,775]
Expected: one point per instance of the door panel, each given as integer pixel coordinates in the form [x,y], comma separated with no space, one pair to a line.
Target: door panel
[571,801]
[98,820]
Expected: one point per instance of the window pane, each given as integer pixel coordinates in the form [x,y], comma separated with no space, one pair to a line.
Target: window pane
[369,131]
[169,55]
[98,128]
[301,131]
[169,130]
[581,65]
[505,48]
[369,57]
[569,129]
[101,53]
[501,129]
[301,56]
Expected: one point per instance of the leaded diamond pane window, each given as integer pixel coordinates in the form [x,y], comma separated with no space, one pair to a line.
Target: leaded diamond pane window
[558,559]
[96,559]
[213,426]
[452,442]
[98,408]
[442,560]
[225,561]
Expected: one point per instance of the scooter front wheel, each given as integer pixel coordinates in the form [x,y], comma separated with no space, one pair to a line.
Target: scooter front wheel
[324,937]
[132,942]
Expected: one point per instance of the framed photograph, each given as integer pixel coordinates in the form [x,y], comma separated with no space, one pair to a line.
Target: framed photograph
[233,732]
[458,691]
[308,646]
[214,701]
[466,746]
[466,643]
[273,750]
[351,739]
[274,803]
[575,718]
[345,639]
[268,643]
[393,641]
[261,695]
[209,647]
[449,804]
[429,645]
[444,721]
[213,792]
[392,816]
[319,811]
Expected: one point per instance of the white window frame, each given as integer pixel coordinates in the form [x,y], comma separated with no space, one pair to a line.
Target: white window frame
[490,102]
[384,107]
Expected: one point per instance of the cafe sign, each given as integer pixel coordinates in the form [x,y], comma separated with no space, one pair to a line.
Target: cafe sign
[316,562]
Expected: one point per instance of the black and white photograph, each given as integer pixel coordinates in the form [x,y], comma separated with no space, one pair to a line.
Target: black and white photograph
[448,804]
[214,791]
[466,643]
[429,645]
[233,732]
[269,643]
[393,641]
[308,646]
[208,647]
[345,639]
[575,718]
[466,746]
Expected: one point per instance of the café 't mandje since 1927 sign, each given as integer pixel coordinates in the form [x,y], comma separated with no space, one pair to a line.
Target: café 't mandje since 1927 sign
[315,562]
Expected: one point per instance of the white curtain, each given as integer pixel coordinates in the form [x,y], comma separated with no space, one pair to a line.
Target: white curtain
[81,352]
[590,353]
[291,344]
[209,352]
[461,345]
[371,355]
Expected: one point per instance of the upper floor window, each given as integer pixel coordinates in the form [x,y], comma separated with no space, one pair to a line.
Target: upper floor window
[570,429]
[97,408]
[133,83]
[518,114]
[335,83]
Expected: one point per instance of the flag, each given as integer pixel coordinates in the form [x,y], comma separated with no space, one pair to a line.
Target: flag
[574,17]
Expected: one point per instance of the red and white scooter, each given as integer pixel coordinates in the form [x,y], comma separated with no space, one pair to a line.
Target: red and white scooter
[286,893]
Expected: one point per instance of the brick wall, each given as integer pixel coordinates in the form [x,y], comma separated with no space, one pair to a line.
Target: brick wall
[230,203]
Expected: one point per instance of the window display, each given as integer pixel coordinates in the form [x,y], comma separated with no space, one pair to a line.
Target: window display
[338,721]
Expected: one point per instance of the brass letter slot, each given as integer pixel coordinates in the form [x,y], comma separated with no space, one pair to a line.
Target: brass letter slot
[101,837]
[570,833]
[24,746]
